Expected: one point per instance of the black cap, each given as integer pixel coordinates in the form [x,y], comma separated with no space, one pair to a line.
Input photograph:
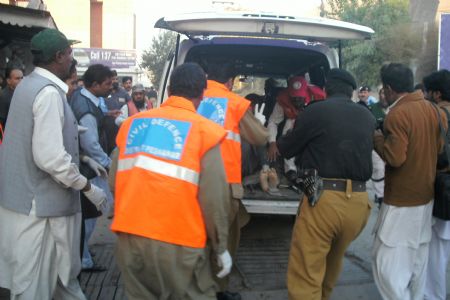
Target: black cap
[364,88]
[342,76]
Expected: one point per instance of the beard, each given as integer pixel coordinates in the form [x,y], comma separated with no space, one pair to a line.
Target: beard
[139,104]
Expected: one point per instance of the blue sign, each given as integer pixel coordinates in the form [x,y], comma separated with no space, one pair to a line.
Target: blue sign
[444,43]
[214,109]
[158,136]
[113,58]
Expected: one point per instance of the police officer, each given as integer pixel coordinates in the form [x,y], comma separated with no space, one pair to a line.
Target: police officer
[333,137]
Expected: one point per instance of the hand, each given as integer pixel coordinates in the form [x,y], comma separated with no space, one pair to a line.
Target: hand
[259,113]
[377,133]
[273,152]
[98,197]
[95,166]
[82,129]
[224,260]
[114,113]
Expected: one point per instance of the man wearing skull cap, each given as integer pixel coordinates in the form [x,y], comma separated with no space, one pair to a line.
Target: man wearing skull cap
[137,104]
[290,102]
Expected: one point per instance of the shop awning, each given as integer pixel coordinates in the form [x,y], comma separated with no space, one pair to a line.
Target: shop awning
[19,23]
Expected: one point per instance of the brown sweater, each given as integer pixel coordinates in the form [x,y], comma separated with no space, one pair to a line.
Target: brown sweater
[410,147]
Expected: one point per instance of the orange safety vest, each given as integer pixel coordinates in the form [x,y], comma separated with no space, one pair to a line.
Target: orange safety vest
[158,172]
[226,109]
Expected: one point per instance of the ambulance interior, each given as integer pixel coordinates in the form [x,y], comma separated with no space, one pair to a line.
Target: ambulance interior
[262,67]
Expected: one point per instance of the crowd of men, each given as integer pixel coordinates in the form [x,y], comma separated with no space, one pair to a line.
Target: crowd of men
[72,151]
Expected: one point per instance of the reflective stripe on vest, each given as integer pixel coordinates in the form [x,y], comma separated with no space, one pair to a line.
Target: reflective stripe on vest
[160,167]
[233,136]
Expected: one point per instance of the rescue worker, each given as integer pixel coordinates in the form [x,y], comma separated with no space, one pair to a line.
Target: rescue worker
[232,112]
[171,196]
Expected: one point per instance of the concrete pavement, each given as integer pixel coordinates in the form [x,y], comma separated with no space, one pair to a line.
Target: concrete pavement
[355,282]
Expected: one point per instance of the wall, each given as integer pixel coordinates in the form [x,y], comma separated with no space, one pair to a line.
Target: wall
[72,18]
[118,24]
[444,6]
[117,21]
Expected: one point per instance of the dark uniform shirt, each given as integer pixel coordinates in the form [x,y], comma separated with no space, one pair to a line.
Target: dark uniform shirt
[377,111]
[117,99]
[5,101]
[335,137]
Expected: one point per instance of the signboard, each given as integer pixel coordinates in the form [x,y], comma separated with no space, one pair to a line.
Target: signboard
[444,42]
[113,58]
[171,139]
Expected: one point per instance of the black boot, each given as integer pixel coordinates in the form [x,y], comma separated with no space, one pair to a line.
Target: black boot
[291,176]
[378,201]
[228,296]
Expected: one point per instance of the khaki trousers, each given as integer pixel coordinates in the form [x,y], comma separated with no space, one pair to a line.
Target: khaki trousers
[320,237]
[239,218]
[156,270]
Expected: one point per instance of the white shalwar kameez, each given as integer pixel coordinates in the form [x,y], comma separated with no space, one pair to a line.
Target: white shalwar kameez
[438,259]
[275,119]
[400,251]
[377,174]
[51,269]
[40,257]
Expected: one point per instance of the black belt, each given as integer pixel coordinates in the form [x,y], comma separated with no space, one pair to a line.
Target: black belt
[341,185]
[378,180]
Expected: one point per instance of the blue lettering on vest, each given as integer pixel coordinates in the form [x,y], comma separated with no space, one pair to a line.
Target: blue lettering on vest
[214,109]
[158,136]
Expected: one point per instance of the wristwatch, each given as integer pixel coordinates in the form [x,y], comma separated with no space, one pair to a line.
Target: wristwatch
[87,187]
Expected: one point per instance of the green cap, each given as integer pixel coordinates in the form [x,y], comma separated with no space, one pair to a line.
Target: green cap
[49,41]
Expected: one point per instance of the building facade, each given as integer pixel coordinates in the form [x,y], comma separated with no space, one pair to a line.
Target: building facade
[106,29]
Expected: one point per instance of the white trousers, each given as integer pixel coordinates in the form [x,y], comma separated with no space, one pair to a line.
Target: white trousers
[377,174]
[289,164]
[47,285]
[40,257]
[400,251]
[438,259]
[400,272]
